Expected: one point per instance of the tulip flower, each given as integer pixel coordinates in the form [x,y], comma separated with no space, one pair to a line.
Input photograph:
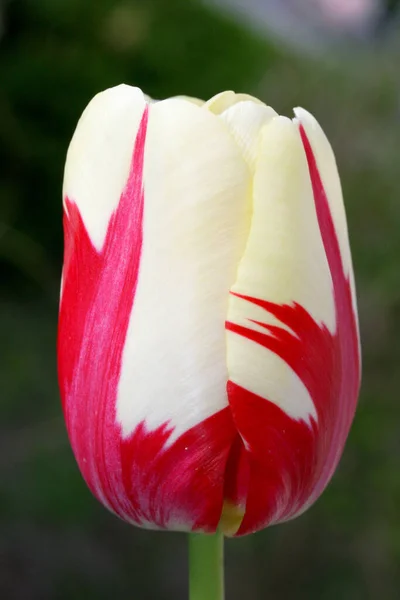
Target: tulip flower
[208,346]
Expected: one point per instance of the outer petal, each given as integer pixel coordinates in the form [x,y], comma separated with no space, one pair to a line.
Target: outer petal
[196,221]
[146,283]
[292,336]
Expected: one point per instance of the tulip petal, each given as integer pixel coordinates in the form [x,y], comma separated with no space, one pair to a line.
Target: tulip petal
[94,312]
[222,101]
[141,347]
[284,262]
[245,120]
[196,221]
[292,337]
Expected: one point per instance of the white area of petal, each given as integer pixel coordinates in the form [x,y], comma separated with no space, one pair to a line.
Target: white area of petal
[196,220]
[99,156]
[284,262]
[327,168]
[245,120]
[222,101]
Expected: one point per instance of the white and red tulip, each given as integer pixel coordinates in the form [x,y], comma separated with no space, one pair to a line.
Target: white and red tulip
[208,343]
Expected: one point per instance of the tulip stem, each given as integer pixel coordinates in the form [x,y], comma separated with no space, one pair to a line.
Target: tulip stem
[206,567]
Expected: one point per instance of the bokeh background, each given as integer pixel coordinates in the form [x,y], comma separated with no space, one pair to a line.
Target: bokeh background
[338,58]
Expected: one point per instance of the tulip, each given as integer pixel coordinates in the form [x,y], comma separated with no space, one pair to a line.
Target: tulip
[208,347]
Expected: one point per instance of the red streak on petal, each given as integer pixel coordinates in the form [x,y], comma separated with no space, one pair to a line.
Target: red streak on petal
[141,478]
[179,486]
[290,461]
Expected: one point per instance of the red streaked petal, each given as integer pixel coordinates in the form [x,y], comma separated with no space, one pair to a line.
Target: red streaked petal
[292,460]
[143,478]
[97,298]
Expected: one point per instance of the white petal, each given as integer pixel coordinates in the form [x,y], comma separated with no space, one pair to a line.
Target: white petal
[99,156]
[220,102]
[284,262]
[196,220]
[245,120]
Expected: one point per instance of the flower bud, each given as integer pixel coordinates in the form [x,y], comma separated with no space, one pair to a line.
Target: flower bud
[208,345]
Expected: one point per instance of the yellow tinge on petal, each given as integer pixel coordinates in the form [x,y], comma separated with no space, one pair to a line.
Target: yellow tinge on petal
[220,102]
[231,518]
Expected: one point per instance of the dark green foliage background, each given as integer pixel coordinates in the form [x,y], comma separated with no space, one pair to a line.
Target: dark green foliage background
[57,542]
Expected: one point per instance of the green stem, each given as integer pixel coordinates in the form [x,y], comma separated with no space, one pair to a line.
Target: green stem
[206,567]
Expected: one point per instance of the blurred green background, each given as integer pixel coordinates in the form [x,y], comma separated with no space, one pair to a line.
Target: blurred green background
[57,542]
